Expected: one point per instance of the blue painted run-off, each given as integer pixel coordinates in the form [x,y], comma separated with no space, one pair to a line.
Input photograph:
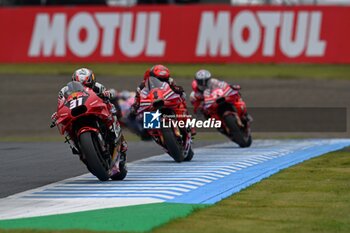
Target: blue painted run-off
[215,172]
[236,181]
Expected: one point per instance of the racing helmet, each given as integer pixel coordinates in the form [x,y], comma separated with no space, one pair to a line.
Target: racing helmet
[161,72]
[85,77]
[202,78]
[113,94]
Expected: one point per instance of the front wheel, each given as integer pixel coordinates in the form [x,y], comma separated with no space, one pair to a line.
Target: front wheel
[237,134]
[94,161]
[190,154]
[172,144]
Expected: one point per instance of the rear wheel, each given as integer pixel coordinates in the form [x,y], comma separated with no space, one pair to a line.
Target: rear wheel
[174,147]
[237,134]
[94,161]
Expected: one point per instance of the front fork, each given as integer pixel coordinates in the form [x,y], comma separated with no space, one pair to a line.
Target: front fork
[71,144]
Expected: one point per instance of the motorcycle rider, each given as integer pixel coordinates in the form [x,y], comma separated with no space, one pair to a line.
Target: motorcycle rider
[115,101]
[87,78]
[204,81]
[162,73]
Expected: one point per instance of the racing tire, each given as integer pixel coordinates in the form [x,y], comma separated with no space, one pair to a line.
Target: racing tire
[189,155]
[237,134]
[94,161]
[173,146]
[122,173]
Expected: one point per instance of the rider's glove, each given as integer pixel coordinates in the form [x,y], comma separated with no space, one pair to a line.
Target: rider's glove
[171,81]
[236,87]
[107,94]
[53,119]
[178,89]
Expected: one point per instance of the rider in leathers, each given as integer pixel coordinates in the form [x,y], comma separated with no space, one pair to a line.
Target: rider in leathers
[87,78]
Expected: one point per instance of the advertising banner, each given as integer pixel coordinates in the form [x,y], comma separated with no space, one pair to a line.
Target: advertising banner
[180,34]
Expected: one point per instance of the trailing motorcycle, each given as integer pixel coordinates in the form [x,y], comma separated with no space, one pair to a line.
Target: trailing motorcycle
[221,104]
[87,123]
[135,125]
[158,96]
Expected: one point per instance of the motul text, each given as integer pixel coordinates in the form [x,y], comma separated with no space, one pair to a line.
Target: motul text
[218,33]
[52,35]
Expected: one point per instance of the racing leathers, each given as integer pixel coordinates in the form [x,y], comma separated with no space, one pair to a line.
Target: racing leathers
[175,88]
[104,94]
[197,96]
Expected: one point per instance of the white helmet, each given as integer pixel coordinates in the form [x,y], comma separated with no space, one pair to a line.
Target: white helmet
[84,76]
[202,78]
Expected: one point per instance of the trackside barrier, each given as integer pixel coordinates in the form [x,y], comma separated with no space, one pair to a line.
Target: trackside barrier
[180,34]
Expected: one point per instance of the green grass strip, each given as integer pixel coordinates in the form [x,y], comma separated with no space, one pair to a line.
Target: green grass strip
[187,70]
[136,218]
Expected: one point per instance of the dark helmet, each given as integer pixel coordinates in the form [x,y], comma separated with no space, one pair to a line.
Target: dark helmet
[202,78]
[85,77]
[161,72]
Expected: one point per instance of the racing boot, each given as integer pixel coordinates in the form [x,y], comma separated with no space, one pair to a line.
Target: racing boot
[120,169]
[117,131]
[124,144]
[115,126]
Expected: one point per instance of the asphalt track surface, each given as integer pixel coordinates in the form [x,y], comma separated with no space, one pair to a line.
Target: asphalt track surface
[25,166]
[27,103]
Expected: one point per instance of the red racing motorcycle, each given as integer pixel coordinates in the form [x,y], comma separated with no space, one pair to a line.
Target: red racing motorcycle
[158,97]
[86,121]
[221,104]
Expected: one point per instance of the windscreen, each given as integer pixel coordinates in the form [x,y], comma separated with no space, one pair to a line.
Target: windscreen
[74,87]
[153,82]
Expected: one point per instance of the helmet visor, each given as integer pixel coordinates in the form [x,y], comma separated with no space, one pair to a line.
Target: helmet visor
[202,84]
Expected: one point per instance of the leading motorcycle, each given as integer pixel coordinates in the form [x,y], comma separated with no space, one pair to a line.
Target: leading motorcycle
[86,122]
